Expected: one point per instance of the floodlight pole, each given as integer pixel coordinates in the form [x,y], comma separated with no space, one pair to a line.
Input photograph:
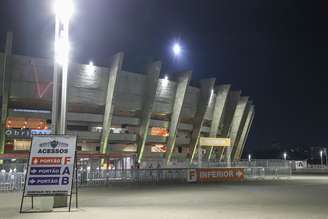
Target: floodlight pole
[61,61]
[54,106]
[61,57]
[326,156]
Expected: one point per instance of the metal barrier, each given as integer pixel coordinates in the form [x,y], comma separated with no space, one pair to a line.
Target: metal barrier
[140,176]
[14,181]
[244,163]
[11,181]
[12,174]
[252,173]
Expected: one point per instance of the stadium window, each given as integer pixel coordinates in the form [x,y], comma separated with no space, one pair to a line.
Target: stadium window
[157,131]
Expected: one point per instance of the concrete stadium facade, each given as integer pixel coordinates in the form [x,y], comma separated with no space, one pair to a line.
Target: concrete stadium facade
[112,111]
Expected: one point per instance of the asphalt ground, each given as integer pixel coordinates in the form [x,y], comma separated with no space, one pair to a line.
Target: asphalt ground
[298,197]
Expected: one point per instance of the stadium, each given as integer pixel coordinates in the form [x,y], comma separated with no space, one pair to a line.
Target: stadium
[146,118]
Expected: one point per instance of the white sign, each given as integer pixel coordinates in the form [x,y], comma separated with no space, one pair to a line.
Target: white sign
[51,165]
[192,175]
[300,164]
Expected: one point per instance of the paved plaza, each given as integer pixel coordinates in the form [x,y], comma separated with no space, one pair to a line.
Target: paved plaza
[298,197]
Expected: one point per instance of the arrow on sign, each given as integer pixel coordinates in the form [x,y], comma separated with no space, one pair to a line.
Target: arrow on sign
[32,181]
[35,160]
[33,171]
[239,173]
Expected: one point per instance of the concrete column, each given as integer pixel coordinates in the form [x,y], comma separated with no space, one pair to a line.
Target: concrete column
[220,102]
[206,90]
[182,85]
[233,98]
[5,89]
[153,71]
[240,131]
[235,126]
[244,136]
[112,78]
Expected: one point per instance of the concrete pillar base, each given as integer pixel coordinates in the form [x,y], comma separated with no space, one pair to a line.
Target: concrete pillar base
[60,201]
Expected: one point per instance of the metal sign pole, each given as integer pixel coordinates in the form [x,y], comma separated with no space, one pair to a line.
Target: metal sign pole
[25,181]
[74,172]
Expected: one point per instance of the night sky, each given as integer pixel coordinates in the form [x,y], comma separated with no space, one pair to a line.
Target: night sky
[274,51]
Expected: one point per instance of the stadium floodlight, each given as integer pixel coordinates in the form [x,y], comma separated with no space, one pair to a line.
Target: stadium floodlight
[64,10]
[176,49]
[165,81]
[90,68]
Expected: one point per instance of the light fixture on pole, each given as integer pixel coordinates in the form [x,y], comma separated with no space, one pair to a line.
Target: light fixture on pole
[321,152]
[249,157]
[285,155]
[176,49]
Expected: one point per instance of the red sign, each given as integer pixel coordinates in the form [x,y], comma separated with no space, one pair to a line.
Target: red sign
[46,160]
[220,174]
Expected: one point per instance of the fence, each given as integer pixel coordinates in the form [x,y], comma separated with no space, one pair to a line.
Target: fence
[14,181]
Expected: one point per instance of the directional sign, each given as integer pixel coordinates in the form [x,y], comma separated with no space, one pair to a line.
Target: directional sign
[220,174]
[45,170]
[51,165]
[43,181]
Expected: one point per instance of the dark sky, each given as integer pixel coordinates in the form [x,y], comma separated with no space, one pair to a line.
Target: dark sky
[275,51]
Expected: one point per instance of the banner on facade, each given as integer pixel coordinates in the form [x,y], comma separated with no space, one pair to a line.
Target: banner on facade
[26,133]
[158,148]
[218,142]
[51,165]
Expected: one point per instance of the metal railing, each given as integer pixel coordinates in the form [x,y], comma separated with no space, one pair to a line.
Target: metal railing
[12,174]
[11,181]
[132,176]
[14,181]
[252,173]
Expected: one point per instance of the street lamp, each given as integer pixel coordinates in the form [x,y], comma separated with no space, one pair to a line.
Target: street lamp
[285,155]
[321,158]
[249,157]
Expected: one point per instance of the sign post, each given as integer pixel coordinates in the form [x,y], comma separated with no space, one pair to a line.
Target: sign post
[51,167]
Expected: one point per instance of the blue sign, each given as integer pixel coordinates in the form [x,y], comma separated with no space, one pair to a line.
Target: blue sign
[40,131]
[42,181]
[45,171]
